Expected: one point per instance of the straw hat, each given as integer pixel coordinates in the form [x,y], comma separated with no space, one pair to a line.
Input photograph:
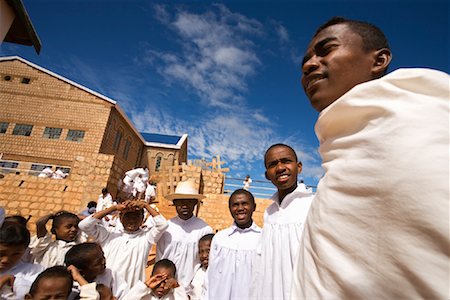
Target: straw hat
[185,190]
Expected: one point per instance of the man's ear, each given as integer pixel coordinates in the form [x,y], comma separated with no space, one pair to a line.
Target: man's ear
[28,297]
[299,167]
[382,59]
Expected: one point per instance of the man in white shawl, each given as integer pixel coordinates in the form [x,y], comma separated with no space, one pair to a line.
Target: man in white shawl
[283,225]
[379,225]
[179,243]
[231,263]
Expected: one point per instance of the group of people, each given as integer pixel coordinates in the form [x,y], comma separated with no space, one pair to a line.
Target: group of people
[368,232]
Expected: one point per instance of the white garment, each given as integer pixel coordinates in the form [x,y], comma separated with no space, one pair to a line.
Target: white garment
[379,226]
[247,183]
[125,252]
[196,288]
[58,174]
[89,292]
[47,172]
[231,262]
[278,247]
[141,292]
[180,244]
[48,252]
[104,202]
[150,192]
[139,186]
[110,279]
[24,274]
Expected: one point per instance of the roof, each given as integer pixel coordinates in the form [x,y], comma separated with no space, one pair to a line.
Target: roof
[164,140]
[119,109]
[22,30]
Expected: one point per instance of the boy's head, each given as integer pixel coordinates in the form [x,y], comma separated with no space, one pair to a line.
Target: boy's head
[185,207]
[167,267]
[53,283]
[88,258]
[282,168]
[14,240]
[104,191]
[342,54]
[17,219]
[242,205]
[65,226]
[204,245]
[132,218]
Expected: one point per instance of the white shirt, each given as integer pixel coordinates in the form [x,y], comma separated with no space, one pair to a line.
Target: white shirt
[24,274]
[278,247]
[140,291]
[104,202]
[180,244]
[150,192]
[196,289]
[48,252]
[231,262]
[110,279]
[125,252]
[379,225]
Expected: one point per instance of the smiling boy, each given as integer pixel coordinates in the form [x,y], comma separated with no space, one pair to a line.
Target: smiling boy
[283,225]
[231,260]
[371,233]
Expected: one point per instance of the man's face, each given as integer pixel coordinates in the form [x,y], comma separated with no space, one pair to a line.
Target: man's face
[203,252]
[335,62]
[241,208]
[282,169]
[185,207]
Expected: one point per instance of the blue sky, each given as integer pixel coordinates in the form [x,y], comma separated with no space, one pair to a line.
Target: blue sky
[227,73]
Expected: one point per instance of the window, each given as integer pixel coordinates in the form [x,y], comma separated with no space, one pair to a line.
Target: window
[117,140]
[22,129]
[7,78]
[36,169]
[126,149]
[158,163]
[63,169]
[6,166]
[3,127]
[75,135]
[52,133]
[26,80]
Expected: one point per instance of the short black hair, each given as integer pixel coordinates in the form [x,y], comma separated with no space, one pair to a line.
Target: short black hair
[372,36]
[165,263]
[241,192]
[17,219]
[14,234]
[280,145]
[91,204]
[51,273]
[206,237]
[104,190]
[60,216]
[77,255]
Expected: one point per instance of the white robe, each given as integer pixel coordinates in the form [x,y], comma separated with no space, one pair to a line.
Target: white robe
[140,291]
[278,247]
[231,262]
[24,274]
[180,244]
[196,289]
[48,252]
[125,252]
[379,225]
[109,278]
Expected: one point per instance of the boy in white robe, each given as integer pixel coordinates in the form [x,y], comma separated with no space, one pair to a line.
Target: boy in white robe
[14,241]
[53,283]
[197,289]
[231,263]
[283,225]
[379,225]
[48,252]
[126,249]
[179,242]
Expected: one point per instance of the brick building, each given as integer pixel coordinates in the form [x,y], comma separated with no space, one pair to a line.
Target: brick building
[47,120]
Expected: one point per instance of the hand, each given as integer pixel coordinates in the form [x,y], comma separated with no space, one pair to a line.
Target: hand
[171,283]
[156,280]
[77,275]
[7,279]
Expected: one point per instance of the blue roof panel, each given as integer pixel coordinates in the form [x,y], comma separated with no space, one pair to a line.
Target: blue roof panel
[160,138]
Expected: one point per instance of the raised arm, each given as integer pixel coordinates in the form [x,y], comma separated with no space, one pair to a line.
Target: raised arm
[41,229]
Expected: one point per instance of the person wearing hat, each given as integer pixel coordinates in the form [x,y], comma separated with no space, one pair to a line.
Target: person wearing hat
[179,242]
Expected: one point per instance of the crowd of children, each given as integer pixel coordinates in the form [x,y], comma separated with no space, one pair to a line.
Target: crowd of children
[84,257]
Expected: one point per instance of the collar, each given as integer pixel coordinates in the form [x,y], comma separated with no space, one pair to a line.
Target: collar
[299,192]
[253,227]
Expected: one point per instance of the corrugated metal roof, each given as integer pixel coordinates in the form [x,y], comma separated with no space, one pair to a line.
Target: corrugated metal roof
[160,138]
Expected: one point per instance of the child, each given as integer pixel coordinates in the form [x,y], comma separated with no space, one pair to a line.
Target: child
[47,252]
[233,250]
[14,241]
[89,260]
[53,283]
[196,288]
[162,285]
[180,241]
[126,249]
[89,291]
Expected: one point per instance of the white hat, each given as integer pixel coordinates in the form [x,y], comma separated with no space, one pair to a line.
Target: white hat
[185,190]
